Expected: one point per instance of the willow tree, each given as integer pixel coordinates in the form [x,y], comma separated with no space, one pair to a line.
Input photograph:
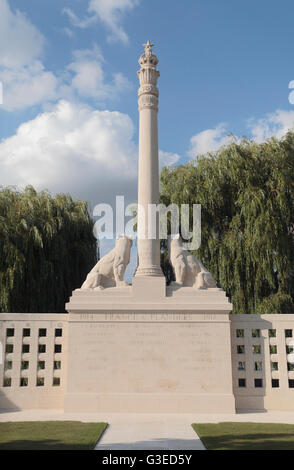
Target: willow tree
[47,247]
[246,191]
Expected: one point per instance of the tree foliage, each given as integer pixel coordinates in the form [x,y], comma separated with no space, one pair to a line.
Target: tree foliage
[47,247]
[246,191]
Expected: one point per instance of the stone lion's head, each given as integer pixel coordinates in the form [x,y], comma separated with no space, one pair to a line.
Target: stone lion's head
[123,240]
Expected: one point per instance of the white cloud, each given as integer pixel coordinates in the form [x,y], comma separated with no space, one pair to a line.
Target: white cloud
[89,78]
[209,140]
[27,86]
[84,77]
[110,12]
[76,21]
[75,149]
[275,124]
[167,158]
[69,32]
[25,80]
[20,41]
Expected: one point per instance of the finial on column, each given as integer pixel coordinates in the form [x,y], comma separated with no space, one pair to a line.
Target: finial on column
[148,47]
[148,59]
[148,75]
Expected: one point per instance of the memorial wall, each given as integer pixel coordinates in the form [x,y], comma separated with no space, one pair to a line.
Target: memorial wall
[149,362]
[146,347]
[146,362]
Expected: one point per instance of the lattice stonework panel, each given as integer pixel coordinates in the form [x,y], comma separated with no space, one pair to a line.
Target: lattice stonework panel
[263,361]
[32,359]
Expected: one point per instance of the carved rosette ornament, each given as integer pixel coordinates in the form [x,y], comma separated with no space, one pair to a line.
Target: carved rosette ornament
[148,75]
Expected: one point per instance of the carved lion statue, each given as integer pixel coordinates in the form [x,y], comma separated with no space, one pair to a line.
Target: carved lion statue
[189,272]
[110,270]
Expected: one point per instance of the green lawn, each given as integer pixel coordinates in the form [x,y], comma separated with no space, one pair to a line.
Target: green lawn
[50,435]
[246,436]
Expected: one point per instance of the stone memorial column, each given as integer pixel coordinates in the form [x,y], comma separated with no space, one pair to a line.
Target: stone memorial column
[148,178]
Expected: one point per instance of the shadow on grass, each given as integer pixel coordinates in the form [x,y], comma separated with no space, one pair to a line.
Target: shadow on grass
[239,436]
[249,442]
[50,435]
[49,444]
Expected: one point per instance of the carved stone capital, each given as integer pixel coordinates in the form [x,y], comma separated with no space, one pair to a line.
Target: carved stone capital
[148,76]
[148,101]
[148,90]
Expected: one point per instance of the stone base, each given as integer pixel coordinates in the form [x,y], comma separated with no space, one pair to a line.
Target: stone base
[149,403]
[145,349]
[148,288]
[33,399]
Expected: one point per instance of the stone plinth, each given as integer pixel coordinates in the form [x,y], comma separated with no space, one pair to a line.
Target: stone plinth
[130,352]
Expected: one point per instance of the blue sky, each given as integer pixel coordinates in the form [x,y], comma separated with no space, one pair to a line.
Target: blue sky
[69,119]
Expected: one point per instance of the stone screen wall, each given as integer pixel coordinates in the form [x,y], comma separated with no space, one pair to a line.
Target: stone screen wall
[32,360]
[262,361]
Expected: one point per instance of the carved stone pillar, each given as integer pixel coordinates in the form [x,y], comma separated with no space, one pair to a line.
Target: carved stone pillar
[148,178]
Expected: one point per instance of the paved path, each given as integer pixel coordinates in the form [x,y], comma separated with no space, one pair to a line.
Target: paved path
[148,431]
